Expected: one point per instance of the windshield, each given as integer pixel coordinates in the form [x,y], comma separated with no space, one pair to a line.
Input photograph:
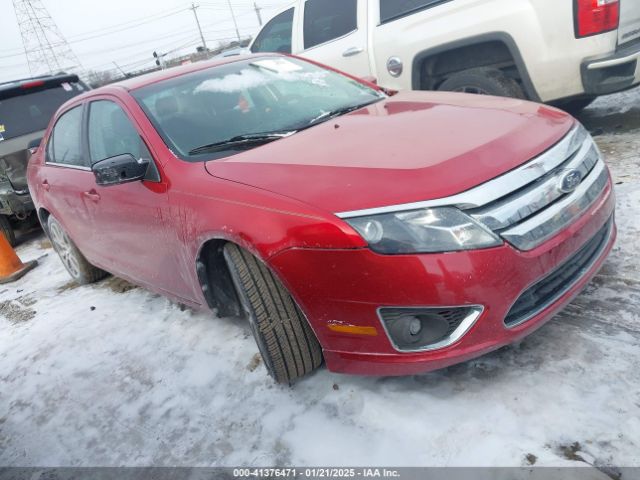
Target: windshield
[265,95]
[25,114]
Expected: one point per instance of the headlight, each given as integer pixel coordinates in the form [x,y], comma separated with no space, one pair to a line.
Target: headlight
[431,230]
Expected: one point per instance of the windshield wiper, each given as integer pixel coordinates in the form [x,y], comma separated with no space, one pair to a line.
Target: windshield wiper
[241,141]
[325,116]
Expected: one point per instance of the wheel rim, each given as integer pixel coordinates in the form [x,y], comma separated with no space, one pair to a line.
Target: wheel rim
[64,247]
[471,89]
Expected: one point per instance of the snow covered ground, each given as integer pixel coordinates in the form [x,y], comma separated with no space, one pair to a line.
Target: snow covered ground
[114,375]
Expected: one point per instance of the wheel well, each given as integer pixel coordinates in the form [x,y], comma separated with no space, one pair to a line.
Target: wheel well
[215,279]
[437,68]
[494,50]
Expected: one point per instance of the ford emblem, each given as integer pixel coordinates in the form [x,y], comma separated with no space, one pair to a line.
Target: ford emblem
[570,181]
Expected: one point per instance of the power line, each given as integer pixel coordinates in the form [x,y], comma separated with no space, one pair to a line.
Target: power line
[106,31]
[179,34]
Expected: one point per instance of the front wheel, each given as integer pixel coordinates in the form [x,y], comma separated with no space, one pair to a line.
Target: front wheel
[483,81]
[78,267]
[288,346]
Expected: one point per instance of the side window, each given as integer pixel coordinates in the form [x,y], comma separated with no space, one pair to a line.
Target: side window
[326,20]
[65,144]
[111,133]
[276,35]
[392,9]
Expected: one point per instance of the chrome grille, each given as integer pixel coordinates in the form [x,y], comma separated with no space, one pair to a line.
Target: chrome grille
[532,213]
[526,206]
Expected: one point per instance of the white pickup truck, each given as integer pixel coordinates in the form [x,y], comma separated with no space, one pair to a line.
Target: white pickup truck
[565,52]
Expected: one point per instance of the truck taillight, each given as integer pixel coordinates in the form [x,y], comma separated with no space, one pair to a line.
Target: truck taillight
[596,16]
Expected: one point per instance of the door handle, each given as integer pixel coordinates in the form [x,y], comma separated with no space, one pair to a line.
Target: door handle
[350,52]
[91,195]
[46,185]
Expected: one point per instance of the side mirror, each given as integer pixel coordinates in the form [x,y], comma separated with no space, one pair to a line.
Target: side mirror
[120,169]
[370,79]
[34,145]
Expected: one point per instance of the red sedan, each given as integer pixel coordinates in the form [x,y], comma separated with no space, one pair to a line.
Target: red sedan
[385,235]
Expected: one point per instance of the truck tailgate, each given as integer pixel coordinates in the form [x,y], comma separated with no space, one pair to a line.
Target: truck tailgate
[629,21]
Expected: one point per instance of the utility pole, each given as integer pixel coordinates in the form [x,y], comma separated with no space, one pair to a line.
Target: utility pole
[255,5]
[120,69]
[233,15]
[194,7]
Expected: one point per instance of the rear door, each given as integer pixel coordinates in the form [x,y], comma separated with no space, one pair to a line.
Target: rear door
[629,21]
[66,175]
[334,32]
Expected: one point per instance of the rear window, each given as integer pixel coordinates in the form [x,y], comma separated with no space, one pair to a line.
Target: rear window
[31,112]
[393,9]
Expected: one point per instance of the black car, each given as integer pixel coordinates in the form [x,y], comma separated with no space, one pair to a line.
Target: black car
[26,106]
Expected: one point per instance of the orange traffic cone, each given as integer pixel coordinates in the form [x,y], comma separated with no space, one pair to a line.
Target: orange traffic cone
[11,268]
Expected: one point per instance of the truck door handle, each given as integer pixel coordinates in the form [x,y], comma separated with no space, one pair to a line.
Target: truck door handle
[350,52]
[92,195]
[46,185]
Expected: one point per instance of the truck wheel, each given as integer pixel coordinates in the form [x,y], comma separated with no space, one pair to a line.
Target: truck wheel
[7,230]
[288,346]
[483,81]
[72,259]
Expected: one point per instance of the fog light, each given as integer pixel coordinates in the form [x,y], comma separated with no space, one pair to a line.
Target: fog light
[415,326]
[420,329]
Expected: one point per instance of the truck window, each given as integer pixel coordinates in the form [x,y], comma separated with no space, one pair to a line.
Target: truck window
[326,20]
[392,9]
[276,35]
[29,113]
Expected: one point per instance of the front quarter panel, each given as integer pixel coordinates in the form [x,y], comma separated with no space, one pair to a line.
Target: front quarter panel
[205,208]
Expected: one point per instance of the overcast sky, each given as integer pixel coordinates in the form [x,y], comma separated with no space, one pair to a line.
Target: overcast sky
[101,32]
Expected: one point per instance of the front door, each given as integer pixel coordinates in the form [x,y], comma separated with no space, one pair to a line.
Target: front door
[132,232]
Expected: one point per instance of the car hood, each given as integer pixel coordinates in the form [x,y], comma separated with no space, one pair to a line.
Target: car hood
[412,147]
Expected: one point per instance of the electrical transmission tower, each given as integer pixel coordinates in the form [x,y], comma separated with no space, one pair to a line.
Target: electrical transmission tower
[46,49]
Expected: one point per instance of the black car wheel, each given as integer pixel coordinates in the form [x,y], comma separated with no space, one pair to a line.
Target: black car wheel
[483,81]
[288,346]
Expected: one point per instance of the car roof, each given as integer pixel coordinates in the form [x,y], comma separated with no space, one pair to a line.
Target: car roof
[160,76]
